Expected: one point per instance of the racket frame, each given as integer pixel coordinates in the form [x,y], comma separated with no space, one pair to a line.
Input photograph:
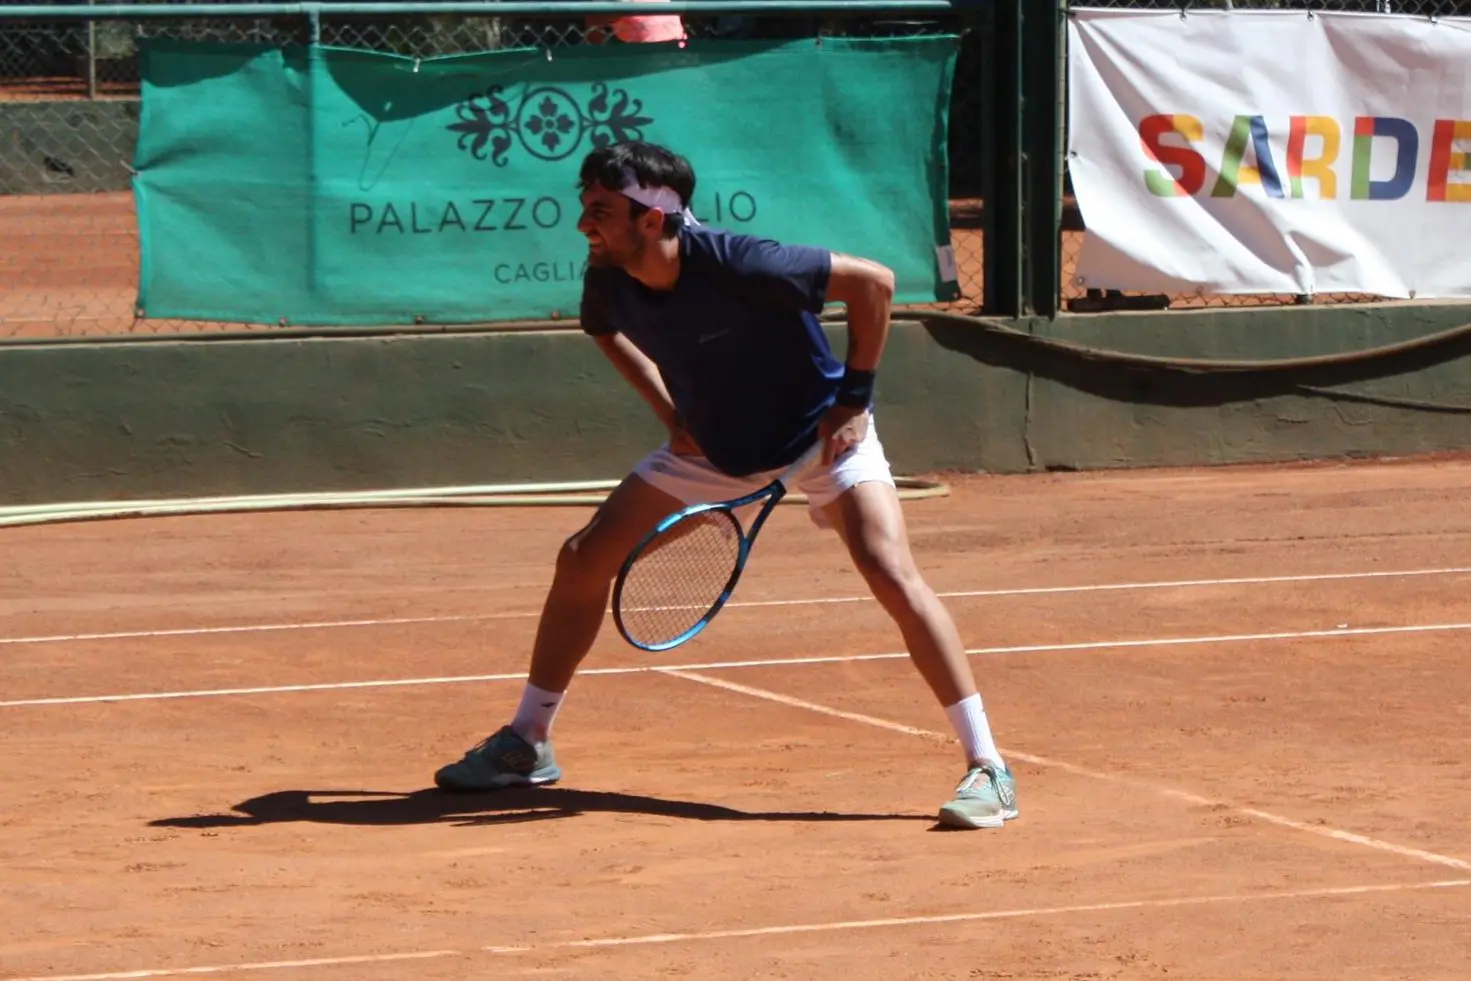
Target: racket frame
[773,492]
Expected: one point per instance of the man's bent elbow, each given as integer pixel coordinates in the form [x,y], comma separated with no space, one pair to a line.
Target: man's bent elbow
[859,280]
[884,282]
[879,285]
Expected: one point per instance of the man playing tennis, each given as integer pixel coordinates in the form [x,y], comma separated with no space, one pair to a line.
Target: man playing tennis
[699,321]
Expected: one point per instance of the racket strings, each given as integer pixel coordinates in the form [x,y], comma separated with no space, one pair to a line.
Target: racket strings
[679,576]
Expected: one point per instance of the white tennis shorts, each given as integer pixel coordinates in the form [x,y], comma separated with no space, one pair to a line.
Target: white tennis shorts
[692,480]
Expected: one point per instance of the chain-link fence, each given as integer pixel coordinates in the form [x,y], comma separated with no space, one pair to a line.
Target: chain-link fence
[1078,298]
[69,111]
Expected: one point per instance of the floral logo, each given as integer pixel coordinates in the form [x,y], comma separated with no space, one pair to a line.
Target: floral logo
[548,122]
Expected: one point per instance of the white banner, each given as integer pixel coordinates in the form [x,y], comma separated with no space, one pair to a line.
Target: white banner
[1241,151]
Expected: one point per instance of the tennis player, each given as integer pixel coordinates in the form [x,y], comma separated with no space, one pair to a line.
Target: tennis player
[718,332]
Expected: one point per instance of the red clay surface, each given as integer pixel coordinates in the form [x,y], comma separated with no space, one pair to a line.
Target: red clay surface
[1248,789]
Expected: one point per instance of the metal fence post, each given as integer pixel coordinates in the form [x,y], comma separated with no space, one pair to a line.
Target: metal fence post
[91,55]
[1042,42]
[1024,200]
[1001,124]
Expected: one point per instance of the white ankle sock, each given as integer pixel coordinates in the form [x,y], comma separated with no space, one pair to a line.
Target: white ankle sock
[533,721]
[968,717]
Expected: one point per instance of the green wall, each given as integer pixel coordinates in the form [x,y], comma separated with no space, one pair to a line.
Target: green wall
[176,418]
[1084,414]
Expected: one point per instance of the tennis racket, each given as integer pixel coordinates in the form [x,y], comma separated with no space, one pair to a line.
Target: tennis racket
[682,572]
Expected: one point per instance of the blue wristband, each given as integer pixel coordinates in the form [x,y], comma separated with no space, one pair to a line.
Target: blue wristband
[856,389]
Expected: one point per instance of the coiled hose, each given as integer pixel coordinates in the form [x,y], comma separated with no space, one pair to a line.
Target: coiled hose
[573,493]
[1336,368]
[1206,365]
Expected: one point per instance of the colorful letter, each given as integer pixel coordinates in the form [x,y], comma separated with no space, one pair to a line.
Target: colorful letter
[1403,131]
[1234,172]
[1153,130]
[1444,158]
[1319,168]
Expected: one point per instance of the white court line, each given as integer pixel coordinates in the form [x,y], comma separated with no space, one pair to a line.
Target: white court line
[252,628]
[1322,830]
[734,605]
[167,972]
[770,931]
[1095,645]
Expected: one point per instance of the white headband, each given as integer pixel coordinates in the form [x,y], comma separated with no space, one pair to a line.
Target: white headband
[664,198]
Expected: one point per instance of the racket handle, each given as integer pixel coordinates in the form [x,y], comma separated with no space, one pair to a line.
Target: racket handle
[803,461]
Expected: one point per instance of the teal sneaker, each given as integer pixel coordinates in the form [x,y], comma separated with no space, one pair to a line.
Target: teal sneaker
[986,798]
[498,762]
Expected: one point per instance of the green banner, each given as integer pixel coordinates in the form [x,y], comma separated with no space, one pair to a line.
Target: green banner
[340,187]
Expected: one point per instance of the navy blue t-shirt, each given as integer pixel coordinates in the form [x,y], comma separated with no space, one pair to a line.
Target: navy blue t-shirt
[737,341]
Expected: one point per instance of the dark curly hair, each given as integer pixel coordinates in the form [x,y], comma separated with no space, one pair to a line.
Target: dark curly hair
[650,164]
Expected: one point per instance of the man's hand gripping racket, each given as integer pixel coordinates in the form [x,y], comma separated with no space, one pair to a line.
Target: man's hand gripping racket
[682,572]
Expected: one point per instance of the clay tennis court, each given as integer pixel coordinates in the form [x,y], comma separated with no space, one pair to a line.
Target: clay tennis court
[1236,700]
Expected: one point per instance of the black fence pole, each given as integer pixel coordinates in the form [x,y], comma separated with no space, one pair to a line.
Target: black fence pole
[1001,126]
[1043,43]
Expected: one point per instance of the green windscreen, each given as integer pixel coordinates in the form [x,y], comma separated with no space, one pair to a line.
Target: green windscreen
[341,187]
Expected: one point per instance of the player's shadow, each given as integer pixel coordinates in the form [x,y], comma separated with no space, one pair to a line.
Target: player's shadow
[381,808]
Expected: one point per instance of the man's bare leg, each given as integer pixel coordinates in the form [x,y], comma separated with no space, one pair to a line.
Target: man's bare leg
[571,617]
[572,614]
[870,519]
